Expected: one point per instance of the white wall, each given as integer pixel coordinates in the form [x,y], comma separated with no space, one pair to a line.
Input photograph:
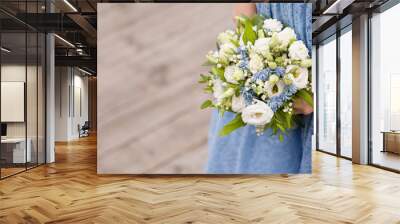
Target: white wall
[70,83]
[12,73]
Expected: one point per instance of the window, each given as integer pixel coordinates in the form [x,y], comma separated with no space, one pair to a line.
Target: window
[326,136]
[22,77]
[385,89]
[346,92]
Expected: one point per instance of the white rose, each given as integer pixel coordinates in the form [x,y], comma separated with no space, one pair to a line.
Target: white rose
[262,46]
[257,114]
[273,25]
[226,37]
[256,63]
[286,35]
[228,74]
[298,51]
[238,103]
[218,90]
[300,79]
[298,76]
[274,88]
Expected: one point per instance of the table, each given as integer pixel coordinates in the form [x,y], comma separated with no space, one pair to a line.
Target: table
[17,150]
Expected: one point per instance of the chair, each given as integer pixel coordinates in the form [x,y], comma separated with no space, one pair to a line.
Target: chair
[84,130]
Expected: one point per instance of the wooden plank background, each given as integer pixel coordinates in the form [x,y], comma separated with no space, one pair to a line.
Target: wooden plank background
[149,60]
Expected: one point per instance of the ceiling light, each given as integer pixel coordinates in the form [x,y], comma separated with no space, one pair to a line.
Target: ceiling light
[5,50]
[70,5]
[84,71]
[65,41]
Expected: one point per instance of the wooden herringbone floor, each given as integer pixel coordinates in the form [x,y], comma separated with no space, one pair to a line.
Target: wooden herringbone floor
[69,191]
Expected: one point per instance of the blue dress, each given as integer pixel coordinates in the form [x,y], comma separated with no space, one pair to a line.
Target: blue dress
[243,151]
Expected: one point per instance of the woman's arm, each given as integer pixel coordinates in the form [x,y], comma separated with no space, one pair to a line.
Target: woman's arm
[247,9]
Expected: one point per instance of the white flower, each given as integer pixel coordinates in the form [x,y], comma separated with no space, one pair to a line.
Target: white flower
[228,74]
[262,46]
[286,35]
[256,63]
[274,88]
[301,79]
[218,89]
[273,79]
[288,79]
[226,37]
[227,48]
[226,51]
[239,74]
[257,114]
[300,76]
[212,57]
[273,25]
[233,74]
[238,103]
[298,51]
[228,93]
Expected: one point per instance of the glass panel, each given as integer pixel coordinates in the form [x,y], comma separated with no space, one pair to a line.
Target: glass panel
[346,93]
[13,87]
[31,86]
[41,98]
[385,84]
[31,100]
[327,97]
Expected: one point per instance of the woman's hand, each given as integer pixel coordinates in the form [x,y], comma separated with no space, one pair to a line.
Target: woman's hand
[247,9]
[302,107]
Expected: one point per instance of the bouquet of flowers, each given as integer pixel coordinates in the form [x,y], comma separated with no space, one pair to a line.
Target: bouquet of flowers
[257,72]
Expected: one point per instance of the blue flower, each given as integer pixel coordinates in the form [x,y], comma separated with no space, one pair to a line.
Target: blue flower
[262,75]
[280,71]
[277,101]
[248,95]
[244,64]
[244,57]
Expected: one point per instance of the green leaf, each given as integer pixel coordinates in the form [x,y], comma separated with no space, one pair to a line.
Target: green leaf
[281,138]
[203,78]
[258,21]
[306,96]
[249,35]
[234,124]
[288,119]
[208,89]
[219,72]
[206,104]
[281,128]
